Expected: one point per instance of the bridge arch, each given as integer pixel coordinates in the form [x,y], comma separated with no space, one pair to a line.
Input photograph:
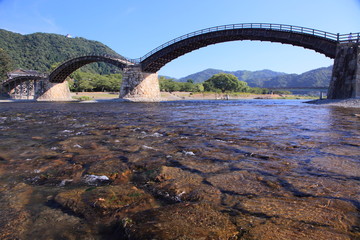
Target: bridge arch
[64,70]
[317,40]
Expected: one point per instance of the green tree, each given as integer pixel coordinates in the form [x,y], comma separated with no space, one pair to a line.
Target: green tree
[209,86]
[84,81]
[115,81]
[199,87]
[187,87]
[225,82]
[242,87]
[168,85]
[6,64]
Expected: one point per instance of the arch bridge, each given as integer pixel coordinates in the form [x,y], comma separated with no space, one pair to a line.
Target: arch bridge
[24,85]
[344,48]
[140,79]
[317,40]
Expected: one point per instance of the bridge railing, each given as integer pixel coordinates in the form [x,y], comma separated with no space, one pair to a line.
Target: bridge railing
[349,38]
[15,75]
[270,26]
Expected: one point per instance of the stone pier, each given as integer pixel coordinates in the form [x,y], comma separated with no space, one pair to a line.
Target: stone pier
[345,80]
[54,92]
[139,86]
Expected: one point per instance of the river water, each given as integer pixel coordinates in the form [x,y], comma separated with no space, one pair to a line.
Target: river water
[245,169]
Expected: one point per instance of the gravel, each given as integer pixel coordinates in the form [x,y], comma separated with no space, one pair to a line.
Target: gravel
[348,103]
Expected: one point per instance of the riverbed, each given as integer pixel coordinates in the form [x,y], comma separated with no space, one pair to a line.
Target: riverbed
[241,169]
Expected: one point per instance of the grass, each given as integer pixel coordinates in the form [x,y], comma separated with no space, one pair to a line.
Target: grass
[83,98]
[94,95]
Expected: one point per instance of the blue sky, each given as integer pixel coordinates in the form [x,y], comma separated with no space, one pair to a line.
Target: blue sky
[134,27]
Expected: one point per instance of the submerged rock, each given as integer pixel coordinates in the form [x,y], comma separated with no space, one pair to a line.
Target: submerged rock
[107,167]
[180,221]
[14,215]
[55,224]
[95,203]
[179,185]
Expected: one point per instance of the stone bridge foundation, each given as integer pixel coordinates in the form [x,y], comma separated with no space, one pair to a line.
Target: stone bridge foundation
[345,80]
[54,92]
[139,86]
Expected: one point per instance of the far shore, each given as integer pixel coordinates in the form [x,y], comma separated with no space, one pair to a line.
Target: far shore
[173,96]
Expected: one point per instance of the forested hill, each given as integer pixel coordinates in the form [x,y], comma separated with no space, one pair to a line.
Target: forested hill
[269,79]
[251,77]
[41,51]
[319,77]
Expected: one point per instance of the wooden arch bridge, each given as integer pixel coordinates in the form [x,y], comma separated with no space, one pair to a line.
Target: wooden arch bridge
[140,75]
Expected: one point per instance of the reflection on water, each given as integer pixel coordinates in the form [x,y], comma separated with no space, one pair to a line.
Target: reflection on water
[254,169]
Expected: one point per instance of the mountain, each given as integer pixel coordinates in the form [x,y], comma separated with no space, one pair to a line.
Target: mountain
[269,79]
[252,78]
[315,78]
[40,51]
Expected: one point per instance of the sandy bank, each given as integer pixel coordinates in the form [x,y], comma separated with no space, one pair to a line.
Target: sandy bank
[215,96]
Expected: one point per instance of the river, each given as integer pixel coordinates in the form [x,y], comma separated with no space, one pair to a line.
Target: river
[244,169]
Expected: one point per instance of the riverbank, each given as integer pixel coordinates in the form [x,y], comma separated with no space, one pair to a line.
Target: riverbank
[220,96]
[173,96]
[347,103]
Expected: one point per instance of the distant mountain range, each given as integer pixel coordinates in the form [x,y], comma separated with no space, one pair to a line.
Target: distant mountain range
[269,79]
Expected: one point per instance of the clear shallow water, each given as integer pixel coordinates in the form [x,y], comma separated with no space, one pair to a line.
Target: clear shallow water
[251,169]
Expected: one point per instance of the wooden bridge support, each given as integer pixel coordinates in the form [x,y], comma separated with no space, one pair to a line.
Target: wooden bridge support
[21,90]
[139,86]
[37,89]
[345,80]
